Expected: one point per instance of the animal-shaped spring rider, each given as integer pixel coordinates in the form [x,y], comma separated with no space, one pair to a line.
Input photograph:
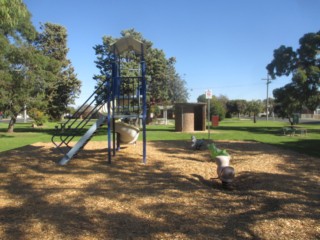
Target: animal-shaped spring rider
[222,158]
[197,144]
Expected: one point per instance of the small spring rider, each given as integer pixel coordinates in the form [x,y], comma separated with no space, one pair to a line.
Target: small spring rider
[225,172]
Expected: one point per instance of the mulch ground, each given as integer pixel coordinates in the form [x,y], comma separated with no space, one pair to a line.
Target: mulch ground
[176,195]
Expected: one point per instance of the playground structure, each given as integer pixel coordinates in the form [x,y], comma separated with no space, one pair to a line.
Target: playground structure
[117,99]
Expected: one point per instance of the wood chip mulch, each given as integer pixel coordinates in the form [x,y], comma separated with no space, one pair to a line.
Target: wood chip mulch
[176,195]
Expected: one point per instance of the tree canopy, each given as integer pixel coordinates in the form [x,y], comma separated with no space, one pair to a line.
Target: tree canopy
[64,87]
[27,71]
[165,85]
[20,62]
[254,107]
[15,20]
[217,105]
[303,65]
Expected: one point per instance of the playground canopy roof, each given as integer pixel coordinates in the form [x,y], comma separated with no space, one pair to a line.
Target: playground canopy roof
[127,44]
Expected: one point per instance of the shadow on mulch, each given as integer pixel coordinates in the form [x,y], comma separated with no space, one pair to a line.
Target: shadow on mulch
[175,195]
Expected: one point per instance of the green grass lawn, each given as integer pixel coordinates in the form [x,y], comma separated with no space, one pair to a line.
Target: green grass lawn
[266,132]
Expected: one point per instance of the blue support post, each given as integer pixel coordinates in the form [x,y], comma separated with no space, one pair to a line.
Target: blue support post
[144,107]
[115,95]
[109,121]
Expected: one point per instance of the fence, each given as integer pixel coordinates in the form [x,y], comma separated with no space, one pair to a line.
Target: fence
[311,116]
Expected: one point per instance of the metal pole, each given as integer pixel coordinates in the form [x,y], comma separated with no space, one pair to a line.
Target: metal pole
[24,113]
[109,122]
[144,105]
[208,96]
[267,100]
[208,118]
[267,106]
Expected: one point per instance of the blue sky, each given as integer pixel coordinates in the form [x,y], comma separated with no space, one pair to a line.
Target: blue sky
[219,45]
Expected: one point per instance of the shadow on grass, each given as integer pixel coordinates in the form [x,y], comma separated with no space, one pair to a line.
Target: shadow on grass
[6,136]
[27,127]
[157,129]
[253,129]
[307,146]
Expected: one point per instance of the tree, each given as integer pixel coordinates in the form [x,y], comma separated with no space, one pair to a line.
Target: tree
[23,83]
[286,102]
[270,103]
[237,106]
[217,107]
[165,86]
[254,107]
[224,100]
[304,67]
[177,91]
[23,69]
[65,86]
[15,20]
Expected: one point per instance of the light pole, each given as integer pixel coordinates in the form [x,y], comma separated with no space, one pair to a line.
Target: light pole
[267,106]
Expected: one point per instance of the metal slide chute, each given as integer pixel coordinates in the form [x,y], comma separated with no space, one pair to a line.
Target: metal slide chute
[128,134]
[83,141]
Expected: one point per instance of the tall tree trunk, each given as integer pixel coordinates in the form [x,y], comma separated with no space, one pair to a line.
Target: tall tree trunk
[11,124]
[254,118]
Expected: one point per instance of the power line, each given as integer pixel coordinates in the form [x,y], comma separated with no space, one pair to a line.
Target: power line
[226,86]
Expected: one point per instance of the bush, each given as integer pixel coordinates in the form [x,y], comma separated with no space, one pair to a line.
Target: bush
[38,116]
[228,115]
[218,110]
[155,110]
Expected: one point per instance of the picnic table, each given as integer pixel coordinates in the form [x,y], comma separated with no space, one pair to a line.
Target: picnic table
[301,131]
[294,130]
[288,131]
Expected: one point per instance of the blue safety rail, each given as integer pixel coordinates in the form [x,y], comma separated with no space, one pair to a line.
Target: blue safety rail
[127,96]
[76,124]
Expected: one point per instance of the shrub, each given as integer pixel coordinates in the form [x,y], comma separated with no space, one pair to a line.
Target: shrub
[38,116]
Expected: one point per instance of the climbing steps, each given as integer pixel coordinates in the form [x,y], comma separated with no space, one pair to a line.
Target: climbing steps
[77,124]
